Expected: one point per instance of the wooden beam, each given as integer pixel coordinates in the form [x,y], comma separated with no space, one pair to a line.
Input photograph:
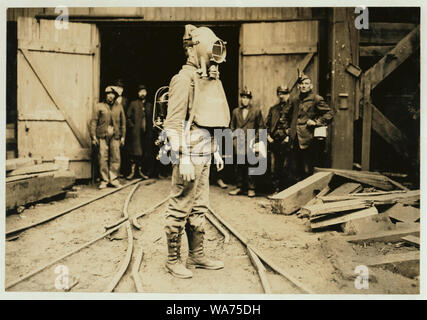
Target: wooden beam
[56,47]
[407,264]
[51,93]
[303,214]
[401,197]
[374,51]
[412,239]
[343,50]
[366,125]
[385,32]
[335,207]
[371,178]
[383,68]
[44,167]
[389,132]
[397,184]
[342,219]
[403,213]
[292,198]
[385,236]
[346,188]
[291,48]
[42,186]
[13,164]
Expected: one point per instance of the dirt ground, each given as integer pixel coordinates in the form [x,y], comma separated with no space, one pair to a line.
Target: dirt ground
[321,261]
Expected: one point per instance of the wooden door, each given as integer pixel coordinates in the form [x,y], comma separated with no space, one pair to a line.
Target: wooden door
[58,83]
[271,53]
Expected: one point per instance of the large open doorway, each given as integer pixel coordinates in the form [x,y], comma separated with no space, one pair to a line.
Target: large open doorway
[152,54]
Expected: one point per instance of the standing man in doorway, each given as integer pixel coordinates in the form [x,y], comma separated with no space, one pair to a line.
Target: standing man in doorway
[278,129]
[245,117]
[138,123]
[107,131]
[311,111]
[197,105]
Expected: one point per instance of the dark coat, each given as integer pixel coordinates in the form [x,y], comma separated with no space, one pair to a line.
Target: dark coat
[253,120]
[102,116]
[311,106]
[138,122]
[273,118]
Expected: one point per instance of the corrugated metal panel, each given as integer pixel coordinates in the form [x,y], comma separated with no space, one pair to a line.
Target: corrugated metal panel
[176,13]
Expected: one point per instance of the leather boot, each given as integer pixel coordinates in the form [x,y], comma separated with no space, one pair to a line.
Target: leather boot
[174,264]
[196,255]
[132,172]
[141,174]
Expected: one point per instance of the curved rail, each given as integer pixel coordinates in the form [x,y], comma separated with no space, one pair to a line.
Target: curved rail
[124,266]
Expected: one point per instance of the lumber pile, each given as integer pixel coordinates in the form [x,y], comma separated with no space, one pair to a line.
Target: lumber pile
[354,201]
[29,180]
[370,209]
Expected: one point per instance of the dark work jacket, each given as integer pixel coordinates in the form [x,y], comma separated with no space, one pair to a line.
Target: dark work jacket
[101,118]
[253,120]
[273,118]
[138,121]
[311,106]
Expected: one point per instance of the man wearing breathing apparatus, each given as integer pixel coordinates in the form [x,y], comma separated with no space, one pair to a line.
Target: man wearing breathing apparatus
[197,105]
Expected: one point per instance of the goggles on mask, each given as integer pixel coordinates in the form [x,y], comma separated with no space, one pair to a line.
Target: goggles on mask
[209,50]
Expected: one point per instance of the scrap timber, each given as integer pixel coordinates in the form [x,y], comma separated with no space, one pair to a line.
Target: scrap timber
[293,198]
[38,187]
[357,202]
[28,180]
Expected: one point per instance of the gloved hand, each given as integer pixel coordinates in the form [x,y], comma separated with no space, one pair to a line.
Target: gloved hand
[218,161]
[95,142]
[186,168]
[122,141]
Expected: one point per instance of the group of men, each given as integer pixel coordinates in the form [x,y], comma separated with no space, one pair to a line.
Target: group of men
[115,124]
[293,148]
[290,124]
[196,107]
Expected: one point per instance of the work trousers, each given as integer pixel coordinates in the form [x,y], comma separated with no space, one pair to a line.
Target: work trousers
[109,158]
[280,163]
[244,180]
[190,199]
[304,160]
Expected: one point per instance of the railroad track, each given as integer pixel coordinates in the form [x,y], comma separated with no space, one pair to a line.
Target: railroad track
[257,258]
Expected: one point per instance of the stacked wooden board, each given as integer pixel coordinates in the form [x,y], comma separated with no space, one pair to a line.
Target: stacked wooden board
[354,200]
[29,180]
[368,207]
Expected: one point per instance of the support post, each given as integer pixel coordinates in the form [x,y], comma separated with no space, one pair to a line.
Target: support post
[343,51]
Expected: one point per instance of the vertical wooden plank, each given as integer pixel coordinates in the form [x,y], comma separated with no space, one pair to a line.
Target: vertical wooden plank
[342,48]
[147,13]
[367,126]
[96,65]
[241,62]
[263,73]
[240,13]
[67,79]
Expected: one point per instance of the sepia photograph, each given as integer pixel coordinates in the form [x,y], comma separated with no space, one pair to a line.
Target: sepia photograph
[245,150]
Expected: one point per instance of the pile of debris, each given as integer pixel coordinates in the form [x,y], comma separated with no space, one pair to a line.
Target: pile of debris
[356,201]
[378,216]
[29,180]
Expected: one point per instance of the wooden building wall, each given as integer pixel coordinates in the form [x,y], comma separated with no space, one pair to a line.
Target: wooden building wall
[176,13]
[387,28]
